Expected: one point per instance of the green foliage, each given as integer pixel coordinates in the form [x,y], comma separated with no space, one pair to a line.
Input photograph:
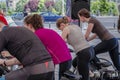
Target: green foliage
[103,7]
[3,5]
[10,11]
[41,6]
[58,7]
[95,7]
[113,8]
[20,5]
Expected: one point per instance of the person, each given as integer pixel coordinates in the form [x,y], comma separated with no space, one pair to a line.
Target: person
[52,41]
[118,24]
[108,41]
[11,62]
[73,35]
[25,46]
[8,58]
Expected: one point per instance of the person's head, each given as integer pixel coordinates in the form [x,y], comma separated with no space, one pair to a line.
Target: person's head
[62,22]
[33,22]
[3,21]
[83,15]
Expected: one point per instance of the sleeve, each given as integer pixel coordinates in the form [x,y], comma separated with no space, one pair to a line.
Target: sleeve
[91,21]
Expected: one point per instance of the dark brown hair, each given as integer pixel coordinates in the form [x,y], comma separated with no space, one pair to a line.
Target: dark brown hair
[35,20]
[84,12]
[62,20]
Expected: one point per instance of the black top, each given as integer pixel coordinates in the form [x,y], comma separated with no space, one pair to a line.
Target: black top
[24,45]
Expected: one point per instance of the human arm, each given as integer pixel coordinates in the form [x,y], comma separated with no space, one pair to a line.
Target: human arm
[88,32]
[9,62]
[93,36]
[65,33]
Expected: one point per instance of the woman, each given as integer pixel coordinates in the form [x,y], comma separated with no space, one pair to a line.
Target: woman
[29,50]
[73,35]
[118,24]
[108,41]
[52,41]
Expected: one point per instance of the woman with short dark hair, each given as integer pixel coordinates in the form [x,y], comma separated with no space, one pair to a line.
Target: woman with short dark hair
[108,41]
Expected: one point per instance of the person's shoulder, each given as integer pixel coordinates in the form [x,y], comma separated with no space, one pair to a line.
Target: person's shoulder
[73,26]
[51,30]
[94,19]
[15,29]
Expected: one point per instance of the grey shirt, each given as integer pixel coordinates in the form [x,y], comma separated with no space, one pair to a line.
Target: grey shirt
[24,45]
[76,38]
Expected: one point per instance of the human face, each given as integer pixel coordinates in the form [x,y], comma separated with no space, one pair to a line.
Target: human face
[82,18]
[62,25]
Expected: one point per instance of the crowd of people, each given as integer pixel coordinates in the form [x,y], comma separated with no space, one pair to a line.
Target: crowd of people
[39,49]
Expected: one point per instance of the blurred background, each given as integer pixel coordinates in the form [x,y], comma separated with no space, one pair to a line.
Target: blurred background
[98,7]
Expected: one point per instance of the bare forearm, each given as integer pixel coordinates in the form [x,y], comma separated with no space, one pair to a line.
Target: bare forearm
[91,37]
[11,62]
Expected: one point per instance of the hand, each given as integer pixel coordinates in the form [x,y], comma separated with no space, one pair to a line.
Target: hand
[2,61]
[5,54]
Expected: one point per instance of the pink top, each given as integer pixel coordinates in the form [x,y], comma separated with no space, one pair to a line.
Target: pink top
[54,44]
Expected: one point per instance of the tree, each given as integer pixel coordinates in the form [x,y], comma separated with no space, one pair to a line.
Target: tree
[49,4]
[41,6]
[58,6]
[32,5]
[3,5]
[20,5]
[103,7]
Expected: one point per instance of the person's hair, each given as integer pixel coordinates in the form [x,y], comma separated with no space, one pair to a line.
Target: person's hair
[35,20]
[62,20]
[84,12]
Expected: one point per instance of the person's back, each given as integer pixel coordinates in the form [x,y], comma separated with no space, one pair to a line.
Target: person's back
[100,30]
[18,42]
[76,38]
[28,49]
[55,45]
[52,41]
